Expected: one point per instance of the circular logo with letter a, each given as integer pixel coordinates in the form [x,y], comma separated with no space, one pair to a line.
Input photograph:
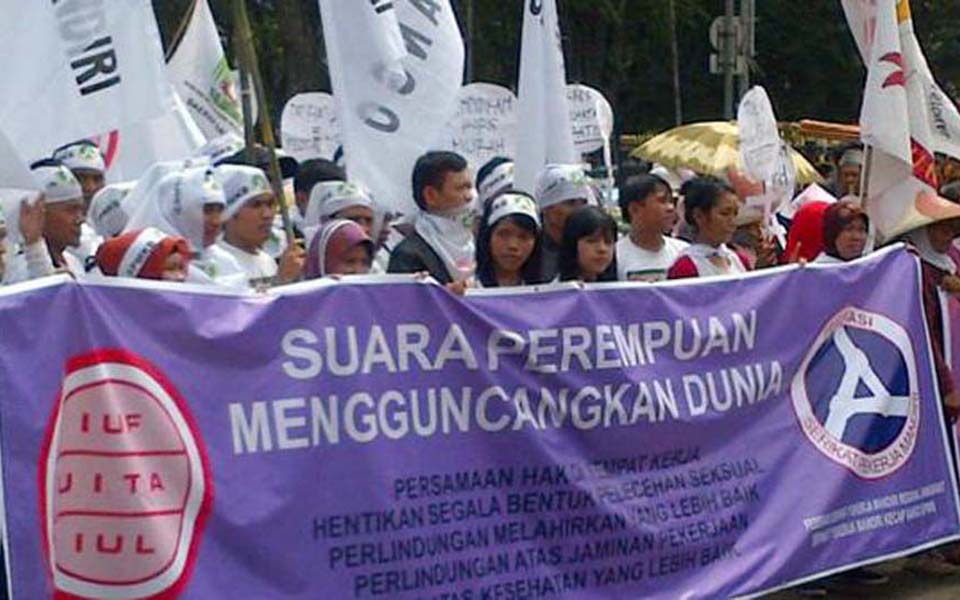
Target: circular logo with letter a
[125,484]
[856,393]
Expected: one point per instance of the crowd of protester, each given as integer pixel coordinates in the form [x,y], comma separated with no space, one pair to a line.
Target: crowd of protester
[213,220]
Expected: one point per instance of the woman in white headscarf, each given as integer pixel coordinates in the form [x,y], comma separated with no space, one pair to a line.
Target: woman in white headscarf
[107,214]
[178,203]
[939,272]
[145,187]
[189,203]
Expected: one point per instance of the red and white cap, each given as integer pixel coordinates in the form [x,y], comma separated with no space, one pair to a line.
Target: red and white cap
[139,254]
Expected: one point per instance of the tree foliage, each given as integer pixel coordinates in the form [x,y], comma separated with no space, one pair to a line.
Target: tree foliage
[806,57]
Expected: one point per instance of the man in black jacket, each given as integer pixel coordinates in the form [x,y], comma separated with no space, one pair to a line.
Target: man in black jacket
[442,241]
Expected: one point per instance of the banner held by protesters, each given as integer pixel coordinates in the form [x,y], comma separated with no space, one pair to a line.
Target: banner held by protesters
[357,452]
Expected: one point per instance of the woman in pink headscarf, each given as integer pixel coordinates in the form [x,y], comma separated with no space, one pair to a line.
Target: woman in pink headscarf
[339,247]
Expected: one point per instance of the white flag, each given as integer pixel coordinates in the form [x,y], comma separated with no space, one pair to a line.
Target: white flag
[201,75]
[901,186]
[396,69]
[174,136]
[544,133]
[16,184]
[74,69]
[862,19]
[14,171]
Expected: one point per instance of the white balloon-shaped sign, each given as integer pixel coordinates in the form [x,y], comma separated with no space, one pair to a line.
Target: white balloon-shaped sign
[308,126]
[764,155]
[485,124]
[591,117]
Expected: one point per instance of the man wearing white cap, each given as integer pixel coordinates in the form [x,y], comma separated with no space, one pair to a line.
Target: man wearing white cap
[248,221]
[85,161]
[849,168]
[494,178]
[64,213]
[311,173]
[339,200]
[560,190]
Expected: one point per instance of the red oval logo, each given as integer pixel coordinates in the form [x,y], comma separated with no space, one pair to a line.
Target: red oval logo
[125,483]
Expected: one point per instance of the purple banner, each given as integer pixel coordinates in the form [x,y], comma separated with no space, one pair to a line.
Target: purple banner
[698,439]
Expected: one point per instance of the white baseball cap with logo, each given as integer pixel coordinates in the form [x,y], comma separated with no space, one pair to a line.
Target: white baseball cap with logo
[57,183]
[81,156]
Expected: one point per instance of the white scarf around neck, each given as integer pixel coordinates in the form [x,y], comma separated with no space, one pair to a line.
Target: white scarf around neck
[451,240]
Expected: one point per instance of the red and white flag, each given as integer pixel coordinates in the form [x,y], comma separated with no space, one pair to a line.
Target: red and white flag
[898,121]
[939,113]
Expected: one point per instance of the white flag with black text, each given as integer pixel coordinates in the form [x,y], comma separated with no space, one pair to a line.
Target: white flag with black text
[544,134]
[200,73]
[74,69]
[396,69]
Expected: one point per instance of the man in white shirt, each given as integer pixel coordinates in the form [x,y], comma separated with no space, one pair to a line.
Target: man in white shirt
[248,221]
[646,202]
[85,161]
[64,214]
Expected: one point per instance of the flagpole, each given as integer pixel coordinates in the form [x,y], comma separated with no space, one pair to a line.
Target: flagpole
[181,29]
[246,104]
[865,177]
[730,60]
[250,68]
[246,93]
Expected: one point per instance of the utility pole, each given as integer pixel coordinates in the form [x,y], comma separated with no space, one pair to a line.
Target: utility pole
[748,19]
[729,52]
[675,56]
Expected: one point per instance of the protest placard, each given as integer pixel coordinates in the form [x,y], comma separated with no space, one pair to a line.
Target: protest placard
[308,126]
[591,118]
[485,125]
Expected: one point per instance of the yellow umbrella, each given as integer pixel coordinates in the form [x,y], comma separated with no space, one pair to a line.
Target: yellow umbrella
[709,148]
